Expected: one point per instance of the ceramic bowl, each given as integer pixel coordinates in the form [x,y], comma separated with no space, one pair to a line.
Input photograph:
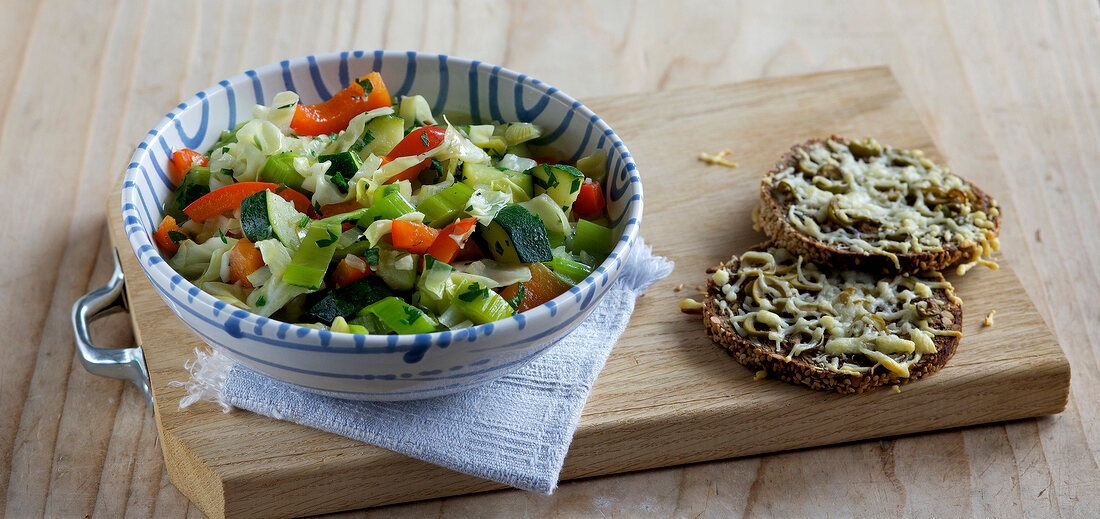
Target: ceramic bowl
[380,367]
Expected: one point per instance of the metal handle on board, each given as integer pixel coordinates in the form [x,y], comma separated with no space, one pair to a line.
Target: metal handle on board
[120,363]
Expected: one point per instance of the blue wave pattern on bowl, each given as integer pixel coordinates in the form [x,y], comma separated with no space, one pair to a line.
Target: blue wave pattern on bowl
[380,367]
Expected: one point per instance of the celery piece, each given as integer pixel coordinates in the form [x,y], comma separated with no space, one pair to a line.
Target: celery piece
[556,239]
[592,238]
[445,206]
[567,267]
[384,191]
[369,322]
[400,316]
[309,263]
[279,169]
[390,207]
[479,304]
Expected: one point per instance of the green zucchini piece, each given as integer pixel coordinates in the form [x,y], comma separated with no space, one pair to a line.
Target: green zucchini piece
[346,301]
[265,215]
[380,135]
[342,166]
[279,169]
[397,268]
[567,267]
[254,220]
[559,181]
[516,236]
[480,304]
[390,207]
[592,238]
[400,316]
[309,263]
[445,206]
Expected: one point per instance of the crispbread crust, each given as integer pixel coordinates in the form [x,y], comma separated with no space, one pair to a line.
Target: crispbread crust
[772,217]
[801,370]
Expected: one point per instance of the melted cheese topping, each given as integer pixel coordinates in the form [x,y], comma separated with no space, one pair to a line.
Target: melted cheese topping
[843,321]
[865,197]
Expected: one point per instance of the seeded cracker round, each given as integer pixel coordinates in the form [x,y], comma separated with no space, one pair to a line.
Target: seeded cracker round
[863,206]
[936,315]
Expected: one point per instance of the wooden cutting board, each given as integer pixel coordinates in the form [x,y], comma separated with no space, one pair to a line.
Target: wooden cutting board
[667,395]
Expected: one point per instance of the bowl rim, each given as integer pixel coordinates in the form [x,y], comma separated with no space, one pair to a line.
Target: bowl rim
[156,268]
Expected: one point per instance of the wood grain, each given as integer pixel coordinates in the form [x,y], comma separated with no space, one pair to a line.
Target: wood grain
[1008,90]
[667,395]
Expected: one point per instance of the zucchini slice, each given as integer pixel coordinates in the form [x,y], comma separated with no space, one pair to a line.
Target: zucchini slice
[265,215]
[517,236]
[561,182]
[380,135]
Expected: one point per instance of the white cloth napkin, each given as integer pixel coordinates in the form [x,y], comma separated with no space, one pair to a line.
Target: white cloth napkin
[514,430]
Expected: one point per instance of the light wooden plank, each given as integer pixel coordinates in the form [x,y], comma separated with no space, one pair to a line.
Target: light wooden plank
[996,82]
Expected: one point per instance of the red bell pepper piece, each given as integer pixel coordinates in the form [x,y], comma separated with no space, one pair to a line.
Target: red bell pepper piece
[452,239]
[416,142]
[590,201]
[333,115]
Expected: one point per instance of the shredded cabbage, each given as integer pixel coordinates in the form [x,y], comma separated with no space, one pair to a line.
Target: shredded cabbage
[516,163]
[484,205]
[501,273]
[275,294]
[232,294]
[551,214]
[192,259]
[281,111]
[415,109]
[349,136]
[275,254]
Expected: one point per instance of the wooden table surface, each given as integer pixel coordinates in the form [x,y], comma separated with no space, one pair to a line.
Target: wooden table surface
[1010,92]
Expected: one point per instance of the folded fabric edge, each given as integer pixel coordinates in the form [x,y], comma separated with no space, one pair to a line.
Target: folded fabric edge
[209,372]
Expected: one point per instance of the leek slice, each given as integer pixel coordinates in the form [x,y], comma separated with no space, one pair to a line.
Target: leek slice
[307,267]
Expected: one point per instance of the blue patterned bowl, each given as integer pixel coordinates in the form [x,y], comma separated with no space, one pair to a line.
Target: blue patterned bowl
[374,367]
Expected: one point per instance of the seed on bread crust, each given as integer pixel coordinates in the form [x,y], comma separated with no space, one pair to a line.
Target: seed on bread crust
[773,216]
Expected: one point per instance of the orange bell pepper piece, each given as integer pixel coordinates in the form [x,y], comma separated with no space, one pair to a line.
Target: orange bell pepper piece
[411,236]
[244,259]
[164,235]
[182,162]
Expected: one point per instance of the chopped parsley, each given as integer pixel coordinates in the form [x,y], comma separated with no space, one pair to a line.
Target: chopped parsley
[288,105]
[176,236]
[222,236]
[303,222]
[367,139]
[411,315]
[261,301]
[332,237]
[475,291]
[368,87]
[371,256]
[518,300]
[424,139]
